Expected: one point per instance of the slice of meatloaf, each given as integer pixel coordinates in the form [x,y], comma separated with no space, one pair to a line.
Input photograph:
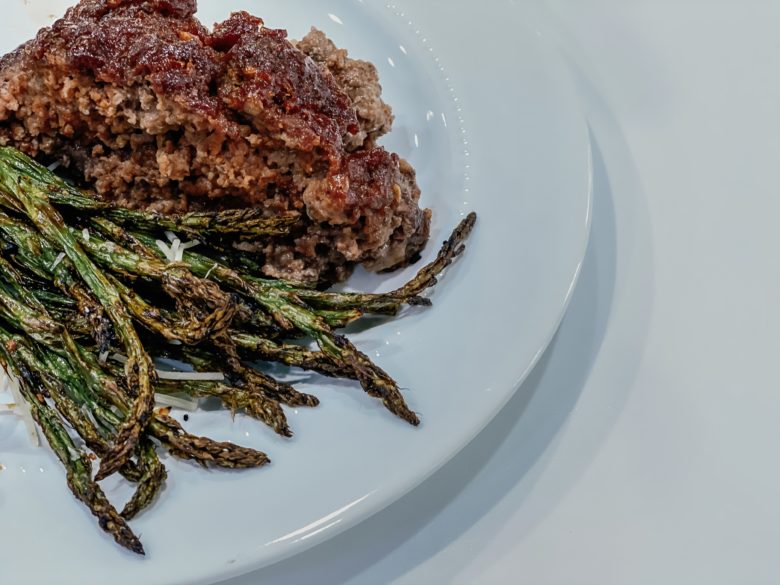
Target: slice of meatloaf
[144,104]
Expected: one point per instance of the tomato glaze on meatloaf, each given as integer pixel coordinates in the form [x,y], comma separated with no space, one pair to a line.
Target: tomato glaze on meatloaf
[141,102]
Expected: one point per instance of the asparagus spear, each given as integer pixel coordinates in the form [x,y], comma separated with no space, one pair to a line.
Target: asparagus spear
[97,404]
[203,301]
[388,303]
[151,474]
[292,355]
[290,312]
[249,379]
[38,256]
[259,396]
[203,450]
[189,329]
[374,380]
[409,294]
[183,444]
[77,464]
[240,223]
[139,369]
[20,308]
[340,318]
[258,385]
[65,391]
[234,398]
[54,301]
[286,308]
[187,291]
[171,434]
[93,436]
[262,406]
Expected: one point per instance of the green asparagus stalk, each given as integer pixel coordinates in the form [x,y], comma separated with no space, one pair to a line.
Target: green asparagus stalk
[38,256]
[151,481]
[391,302]
[240,223]
[65,391]
[97,404]
[93,437]
[22,310]
[294,356]
[171,434]
[339,318]
[203,450]
[181,443]
[249,379]
[180,284]
[286,308]
[151,474]
[54,301]
[139,369]
[234,398]
[77,463]
[188,292]
[290,312]
[187,328]
[259,397]
[381,303]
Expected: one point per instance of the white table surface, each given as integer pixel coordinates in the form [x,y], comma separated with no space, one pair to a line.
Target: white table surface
[645,448]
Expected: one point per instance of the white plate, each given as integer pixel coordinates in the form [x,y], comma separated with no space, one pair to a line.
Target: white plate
[487,115]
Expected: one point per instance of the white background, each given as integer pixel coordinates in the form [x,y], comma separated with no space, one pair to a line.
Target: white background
[645,448]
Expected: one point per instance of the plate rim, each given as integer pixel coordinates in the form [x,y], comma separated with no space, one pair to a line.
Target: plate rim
[356,515]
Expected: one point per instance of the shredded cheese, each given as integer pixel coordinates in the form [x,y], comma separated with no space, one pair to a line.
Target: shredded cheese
[191,376]
[60,257]
[175,252]
[179,376]
[212,269]
[164,249]
[182,402]
[85,235]
[22,410]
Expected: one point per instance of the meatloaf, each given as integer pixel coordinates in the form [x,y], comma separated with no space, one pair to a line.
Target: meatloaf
[141,102]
